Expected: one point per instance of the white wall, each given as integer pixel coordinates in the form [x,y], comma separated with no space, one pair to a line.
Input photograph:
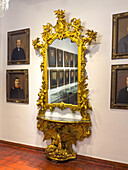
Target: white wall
[109,127]
[0,73]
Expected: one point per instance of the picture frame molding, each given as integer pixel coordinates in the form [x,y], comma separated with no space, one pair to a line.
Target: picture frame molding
[17,71]
[17,32]
[113,104]
[115,30]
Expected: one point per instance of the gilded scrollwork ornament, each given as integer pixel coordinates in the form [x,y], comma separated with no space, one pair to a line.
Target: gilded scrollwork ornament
[62,135]
[74,31]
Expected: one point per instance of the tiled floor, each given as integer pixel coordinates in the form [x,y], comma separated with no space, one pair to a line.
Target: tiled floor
[19,158]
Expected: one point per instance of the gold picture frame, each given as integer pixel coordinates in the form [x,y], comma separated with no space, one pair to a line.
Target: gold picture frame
[19,47]
[17,86]
[74,31]
[120,36]
[119,87]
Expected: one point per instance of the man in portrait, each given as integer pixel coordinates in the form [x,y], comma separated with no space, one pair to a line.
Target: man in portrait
[66,61]
[60,61]
[71,60]
[72,76]
[123,45]
[76,60]
[61,80]
[17,92]
[123,94]
[52,59]
[54,80]
[66,77]
[18,52]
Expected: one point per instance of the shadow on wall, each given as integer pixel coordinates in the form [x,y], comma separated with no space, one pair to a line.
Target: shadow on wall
[94,47]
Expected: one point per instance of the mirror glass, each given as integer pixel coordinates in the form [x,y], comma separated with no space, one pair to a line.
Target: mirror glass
[62,69]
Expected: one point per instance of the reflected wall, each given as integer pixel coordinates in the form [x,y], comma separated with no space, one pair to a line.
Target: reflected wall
[62,69]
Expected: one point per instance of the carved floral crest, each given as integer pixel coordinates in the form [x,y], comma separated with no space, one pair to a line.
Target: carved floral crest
[61,30]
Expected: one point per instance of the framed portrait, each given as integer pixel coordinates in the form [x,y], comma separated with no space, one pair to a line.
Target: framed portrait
[66,77]
[17,86]
[59,58]
[76,75]
[53,79]
[76,60]
[52,57]
[71,60]
[19,47]
[71,76]
[66,59]
[61,77]
[120,36]
[119,87]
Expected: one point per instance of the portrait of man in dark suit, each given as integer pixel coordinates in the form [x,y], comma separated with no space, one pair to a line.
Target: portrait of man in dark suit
[123,94]
[66,59]
[71,60]
[71,76]
[52,57]
[76,75]
[76,60]
[66,77]
[18,52]
[60,58]
[19,47]
[17,86]
[16,91]
[61,78]
[122,32]
[53,78]
[123,45]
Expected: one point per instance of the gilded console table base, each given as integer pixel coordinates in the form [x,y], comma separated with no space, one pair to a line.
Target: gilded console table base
[54,153]
[63,133]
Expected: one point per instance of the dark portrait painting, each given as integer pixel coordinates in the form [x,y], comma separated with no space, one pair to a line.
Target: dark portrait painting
[53,78]
[71,60]
[61,77]
[122,87]
[52,57]
[17,86]
[119,91]
[71,76]
[18,47]
[123,35]
[120,36]
[59,58]
[66,59]
[66,77]
[76,60]
[76,75]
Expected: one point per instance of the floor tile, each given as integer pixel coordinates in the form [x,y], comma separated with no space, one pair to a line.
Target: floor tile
[20,158]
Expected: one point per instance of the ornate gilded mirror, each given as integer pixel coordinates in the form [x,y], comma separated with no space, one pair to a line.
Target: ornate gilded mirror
[64,82]
[63,85]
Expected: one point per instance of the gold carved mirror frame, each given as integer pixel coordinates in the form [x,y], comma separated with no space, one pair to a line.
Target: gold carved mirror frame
[74,31]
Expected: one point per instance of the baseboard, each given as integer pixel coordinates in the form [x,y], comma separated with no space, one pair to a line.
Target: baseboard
[79,157]
[22,145]
[102,161]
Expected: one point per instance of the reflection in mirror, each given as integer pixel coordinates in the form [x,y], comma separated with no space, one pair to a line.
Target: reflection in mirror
[62,72]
